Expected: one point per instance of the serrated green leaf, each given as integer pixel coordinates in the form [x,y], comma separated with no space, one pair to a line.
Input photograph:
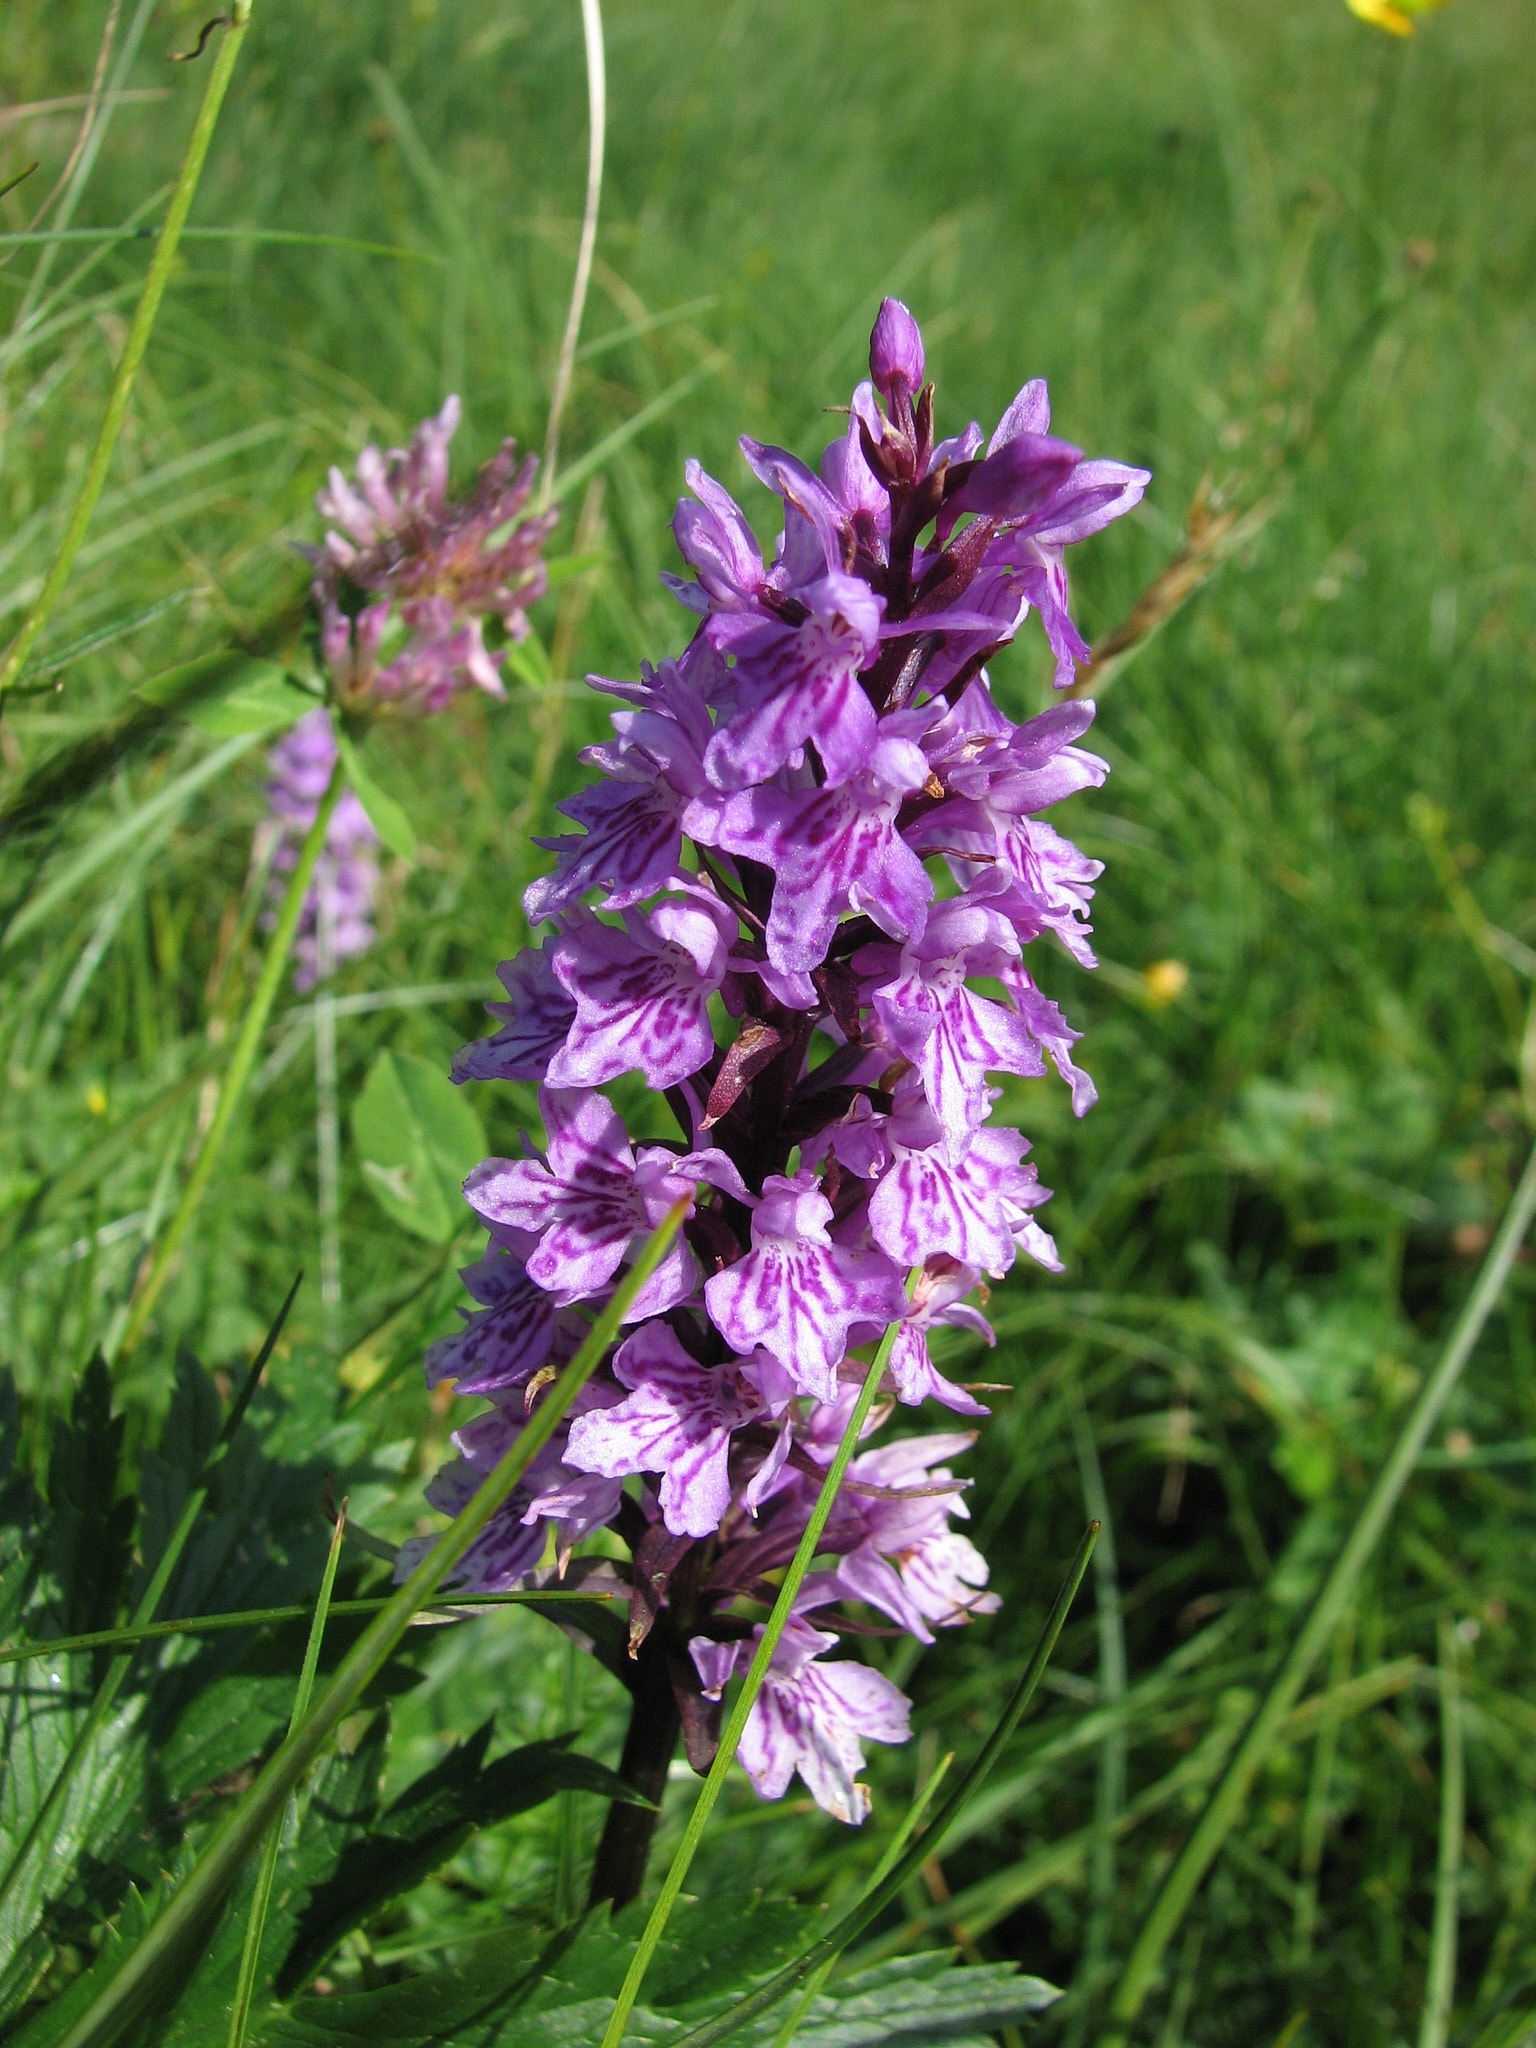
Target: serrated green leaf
[341,1806]
[429,1824]
[387,817]
[418,1136]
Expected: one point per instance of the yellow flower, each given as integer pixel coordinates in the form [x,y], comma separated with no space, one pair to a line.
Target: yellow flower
[1164,981]
[1395,16]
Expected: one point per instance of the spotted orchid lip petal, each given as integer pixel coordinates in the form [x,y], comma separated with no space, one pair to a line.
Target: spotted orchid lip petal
[791,921]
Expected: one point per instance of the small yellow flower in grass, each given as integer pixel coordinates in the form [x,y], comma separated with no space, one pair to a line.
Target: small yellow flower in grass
[1395,16]
[1164,981]
[96,1099]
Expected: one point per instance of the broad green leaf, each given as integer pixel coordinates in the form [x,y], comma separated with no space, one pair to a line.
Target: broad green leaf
[431,1822]
[915,2001]
[566,568]
[418,1136]
[228,693]
[262,698]
[387,816]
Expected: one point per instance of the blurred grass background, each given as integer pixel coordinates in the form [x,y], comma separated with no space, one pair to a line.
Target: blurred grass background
[1285,262]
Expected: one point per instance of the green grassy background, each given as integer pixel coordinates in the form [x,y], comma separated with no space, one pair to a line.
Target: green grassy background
[1258,246]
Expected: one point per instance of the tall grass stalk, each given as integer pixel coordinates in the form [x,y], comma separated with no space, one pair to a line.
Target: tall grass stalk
[250,1955]
[597,125]
[1440,1977]
[238,1072]
[133,348]
[164,1950]
[1225,1804]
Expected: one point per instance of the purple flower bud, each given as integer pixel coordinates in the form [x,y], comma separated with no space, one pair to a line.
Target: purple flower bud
[895,349]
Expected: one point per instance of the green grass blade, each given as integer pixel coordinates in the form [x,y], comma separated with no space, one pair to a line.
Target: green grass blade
[171,1939]
[1226,1802]
[238,1071]
[1440,1977]
[250,1955]
[585,465]
[597,124]
[107,845]
[46,1818]
[877,1876]
[870,1907]
[457,1605]
[746,1698]
[133,349]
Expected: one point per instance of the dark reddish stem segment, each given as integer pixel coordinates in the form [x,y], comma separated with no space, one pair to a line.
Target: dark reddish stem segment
[654,1724]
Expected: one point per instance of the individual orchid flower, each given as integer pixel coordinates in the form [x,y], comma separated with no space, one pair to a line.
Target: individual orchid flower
[795,1293]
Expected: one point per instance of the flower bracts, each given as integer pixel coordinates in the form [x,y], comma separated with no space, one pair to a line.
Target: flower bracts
[816,825]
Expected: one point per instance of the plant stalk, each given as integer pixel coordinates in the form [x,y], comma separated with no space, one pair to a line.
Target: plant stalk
[238,1072]
[654,1723]
[133,349]
[1225,1804]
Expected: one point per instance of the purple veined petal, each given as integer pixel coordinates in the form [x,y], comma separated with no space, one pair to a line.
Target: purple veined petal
[1030,413]
[631,843]
[918,1379]
[507,1340]
[810,1717]
[895,348]
[764,1482]
[715,539]
[803,490]
[953,1037]
[857,1141]
[800,683]
[676,1419]
[944,1577]
[536,1018]
[796,1293]
[927,1204]
[1051,1031]
[833,850]
[1041,739]
[715,1664]
[854,484]
[1099,493]
[955,448]
[1026,475]
[641,995]
[865,1575]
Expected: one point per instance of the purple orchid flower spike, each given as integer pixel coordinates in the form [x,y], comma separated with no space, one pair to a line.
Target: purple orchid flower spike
[346,884]
[811,851]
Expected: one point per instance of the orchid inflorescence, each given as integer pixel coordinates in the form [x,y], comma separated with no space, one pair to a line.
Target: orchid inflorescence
[402,594]
[765,845]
